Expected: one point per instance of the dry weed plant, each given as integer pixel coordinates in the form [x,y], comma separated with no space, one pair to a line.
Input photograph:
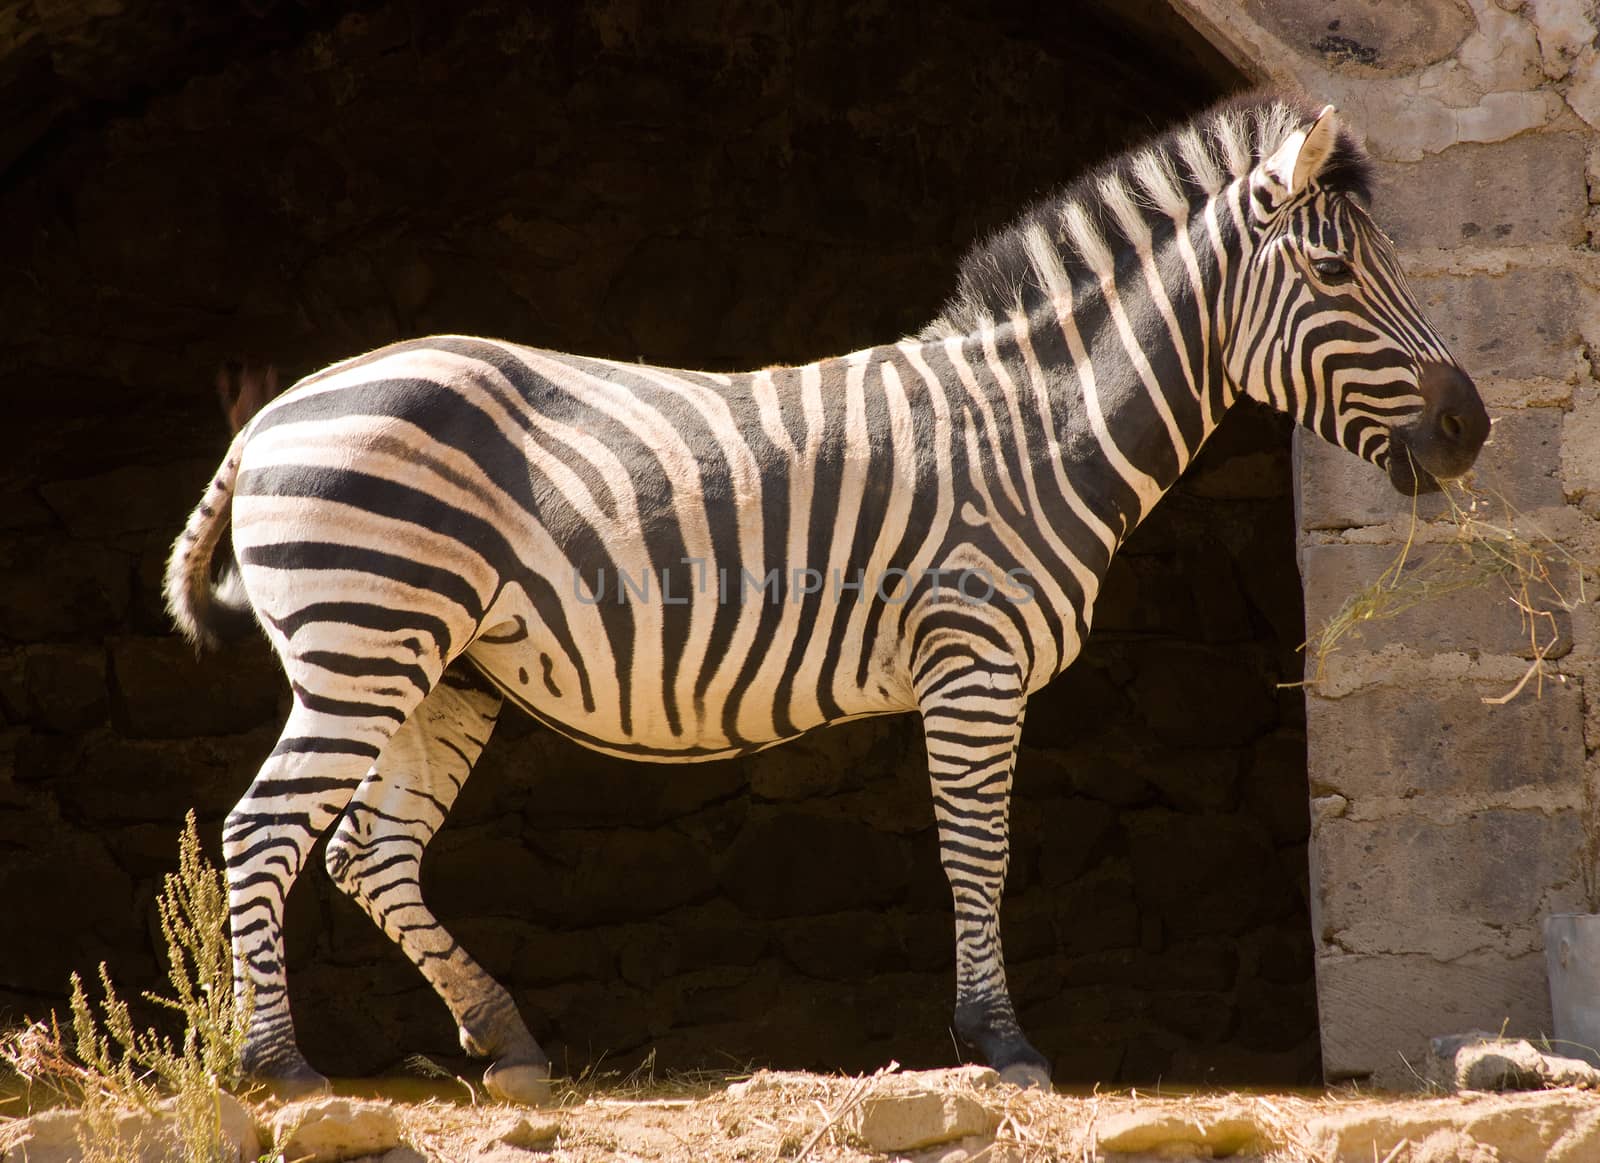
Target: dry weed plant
[1490,544]
[110,1067]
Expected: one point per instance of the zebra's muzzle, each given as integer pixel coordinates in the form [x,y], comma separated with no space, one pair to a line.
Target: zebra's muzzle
[1443,442]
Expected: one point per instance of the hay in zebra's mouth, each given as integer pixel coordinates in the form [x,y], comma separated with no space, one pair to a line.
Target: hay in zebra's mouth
[1480,541]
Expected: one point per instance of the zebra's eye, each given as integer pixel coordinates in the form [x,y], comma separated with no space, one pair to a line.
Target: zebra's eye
[1332,269]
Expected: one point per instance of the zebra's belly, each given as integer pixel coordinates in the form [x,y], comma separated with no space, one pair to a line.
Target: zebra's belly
[624,694]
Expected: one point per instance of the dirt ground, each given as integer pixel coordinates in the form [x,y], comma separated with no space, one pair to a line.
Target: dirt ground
[959,1115]
[963,1115]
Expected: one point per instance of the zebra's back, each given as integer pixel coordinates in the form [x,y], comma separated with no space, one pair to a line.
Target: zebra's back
[615,545]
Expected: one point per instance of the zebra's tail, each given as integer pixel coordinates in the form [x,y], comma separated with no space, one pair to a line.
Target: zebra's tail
[208,606]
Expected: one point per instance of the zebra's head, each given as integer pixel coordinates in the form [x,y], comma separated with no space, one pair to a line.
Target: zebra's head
[1326,328]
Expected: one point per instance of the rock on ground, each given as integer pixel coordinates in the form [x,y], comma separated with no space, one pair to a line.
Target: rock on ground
[911,1119]
[1485,1062]
[523,1134]
[1546,1127]
[329,1130]
[1171,1131]
[140,1136]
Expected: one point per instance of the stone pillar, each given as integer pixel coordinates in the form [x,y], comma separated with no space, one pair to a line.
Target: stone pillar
[1445,827]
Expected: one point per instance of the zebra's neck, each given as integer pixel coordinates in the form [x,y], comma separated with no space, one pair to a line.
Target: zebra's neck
[1122,364]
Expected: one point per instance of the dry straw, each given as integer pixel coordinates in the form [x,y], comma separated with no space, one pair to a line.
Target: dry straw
[1481,542]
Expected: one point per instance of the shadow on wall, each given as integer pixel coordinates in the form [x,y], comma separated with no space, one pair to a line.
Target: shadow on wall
[735,187]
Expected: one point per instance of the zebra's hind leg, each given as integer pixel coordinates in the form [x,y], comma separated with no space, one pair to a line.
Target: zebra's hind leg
[322,756]
[375,857]
[972,719]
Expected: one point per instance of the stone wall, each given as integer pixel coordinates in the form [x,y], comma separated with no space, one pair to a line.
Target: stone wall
[737,188]
[1446,828]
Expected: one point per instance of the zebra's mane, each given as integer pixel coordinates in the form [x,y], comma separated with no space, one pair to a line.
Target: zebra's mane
[1153,183]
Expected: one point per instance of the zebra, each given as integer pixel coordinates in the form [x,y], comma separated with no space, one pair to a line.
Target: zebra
[679,566]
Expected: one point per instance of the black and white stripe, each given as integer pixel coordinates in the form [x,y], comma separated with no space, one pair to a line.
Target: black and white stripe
[435,527]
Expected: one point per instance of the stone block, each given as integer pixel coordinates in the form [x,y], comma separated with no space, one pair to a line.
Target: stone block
[628,874]
[1211,575]
[1109,1009]
[1196,779]
[14,797]
[480,872]
[716,933]
[110,780]
[841,759]
[1520,323]
[896,801]
[793,864]
[842,946]
[22,509]
[574,787]
[1108,770]
[927,938]
[130,499]
[710,997]
[1197,1017]
[1478,195]
[1281,955]
[1204,965]
[66,686]
[67,904]
[1274,788]
[1380,1011]
[1337,490]
[55,588]
[1080,1057]
[1028,924]
[1276,1017]
[1201,696]
[1097,912]
[1246,458]
[14,701]
[1143,594]
[1072,833]
[163,690]
[1409,884]
[545,958]
[1443,751]
[1521,464]
[1204,874]
[1481,618]
[595,1014]
[1075,705]
[1580,448]
[1364,39]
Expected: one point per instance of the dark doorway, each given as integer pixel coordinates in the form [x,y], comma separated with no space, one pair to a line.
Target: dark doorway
[730,185]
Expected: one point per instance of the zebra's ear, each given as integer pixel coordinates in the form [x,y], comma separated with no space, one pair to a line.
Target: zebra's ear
[1295,164]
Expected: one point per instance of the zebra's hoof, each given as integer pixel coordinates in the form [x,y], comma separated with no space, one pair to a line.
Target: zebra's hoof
[1027,1075]
[302,1083]
[519,1082]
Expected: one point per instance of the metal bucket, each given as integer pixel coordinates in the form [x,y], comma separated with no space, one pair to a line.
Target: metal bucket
[1572,959]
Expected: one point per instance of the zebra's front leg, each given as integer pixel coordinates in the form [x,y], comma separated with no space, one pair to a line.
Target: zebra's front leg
[376,858]
[972,720]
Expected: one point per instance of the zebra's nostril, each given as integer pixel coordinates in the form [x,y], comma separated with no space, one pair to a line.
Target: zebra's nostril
[1452,426]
